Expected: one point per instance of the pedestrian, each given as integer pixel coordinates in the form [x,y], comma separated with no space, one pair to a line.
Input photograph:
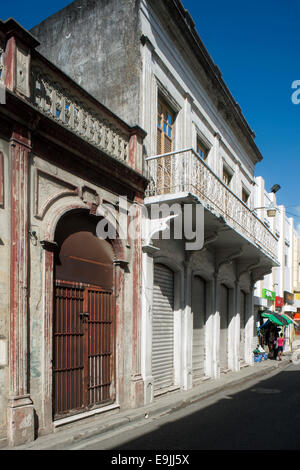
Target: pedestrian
[280,346]
[275,347]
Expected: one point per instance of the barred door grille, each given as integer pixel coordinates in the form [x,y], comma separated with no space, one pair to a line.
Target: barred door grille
[82,348]
[99,345]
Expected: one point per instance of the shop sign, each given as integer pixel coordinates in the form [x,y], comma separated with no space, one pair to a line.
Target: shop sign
[268,294]
[297,296]
[279,302]
[288,298]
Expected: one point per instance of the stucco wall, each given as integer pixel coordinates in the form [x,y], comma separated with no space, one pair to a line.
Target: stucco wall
[49,199]
[96,43]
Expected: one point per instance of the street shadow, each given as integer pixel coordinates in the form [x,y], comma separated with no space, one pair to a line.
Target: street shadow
[266,416]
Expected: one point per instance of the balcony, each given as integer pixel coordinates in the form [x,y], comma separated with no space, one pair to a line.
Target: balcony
[183,172]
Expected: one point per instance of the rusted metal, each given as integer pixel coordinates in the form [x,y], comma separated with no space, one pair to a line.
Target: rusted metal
[83,347]
[83,340]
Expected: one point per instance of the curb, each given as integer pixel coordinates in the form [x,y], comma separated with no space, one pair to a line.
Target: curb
[67,437]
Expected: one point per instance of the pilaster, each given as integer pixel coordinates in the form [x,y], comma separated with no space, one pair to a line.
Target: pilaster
[20,414]
[146,321]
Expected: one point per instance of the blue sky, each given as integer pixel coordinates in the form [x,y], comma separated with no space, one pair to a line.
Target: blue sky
[256,47]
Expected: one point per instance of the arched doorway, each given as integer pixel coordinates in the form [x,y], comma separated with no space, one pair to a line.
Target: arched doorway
[84,312]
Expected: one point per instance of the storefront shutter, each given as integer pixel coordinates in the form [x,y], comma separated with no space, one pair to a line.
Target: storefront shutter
[163,328]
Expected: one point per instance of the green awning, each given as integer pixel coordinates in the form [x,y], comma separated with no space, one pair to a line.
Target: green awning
[289,319]
[276,318]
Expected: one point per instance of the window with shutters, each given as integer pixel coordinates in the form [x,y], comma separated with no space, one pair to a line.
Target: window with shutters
[227,176]
[201,149]
[245,196]
[165,128]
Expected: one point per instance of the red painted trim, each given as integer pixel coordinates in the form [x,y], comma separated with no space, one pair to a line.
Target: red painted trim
[1,180]
[19,268]
[10,64]
[132,146]
[136,307]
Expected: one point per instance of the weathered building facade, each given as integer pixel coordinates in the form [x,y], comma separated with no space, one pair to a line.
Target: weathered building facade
[173,315]
[70,301]
[197,304]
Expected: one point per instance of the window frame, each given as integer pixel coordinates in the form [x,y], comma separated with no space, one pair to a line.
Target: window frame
[204,148]
[247,193]
[164,126]
[226,170]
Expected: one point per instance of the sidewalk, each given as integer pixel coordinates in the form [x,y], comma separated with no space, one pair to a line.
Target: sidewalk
[102,425]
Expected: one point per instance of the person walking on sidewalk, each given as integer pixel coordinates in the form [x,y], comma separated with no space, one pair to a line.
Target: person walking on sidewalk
[280,346]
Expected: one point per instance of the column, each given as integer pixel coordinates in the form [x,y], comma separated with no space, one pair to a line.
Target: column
[137,384]
[146,321]
[249,329]
[237,327]
[187,347]
[20,413]
[216,328]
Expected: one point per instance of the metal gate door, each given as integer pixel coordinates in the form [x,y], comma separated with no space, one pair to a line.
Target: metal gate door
[242,324]
[224,312]
[198,310]
[163,328]
[82,347]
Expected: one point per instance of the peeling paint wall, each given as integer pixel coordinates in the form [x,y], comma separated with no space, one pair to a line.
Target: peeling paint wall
[4,283]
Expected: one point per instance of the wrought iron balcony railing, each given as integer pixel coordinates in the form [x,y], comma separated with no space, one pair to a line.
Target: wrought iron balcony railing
[185,172]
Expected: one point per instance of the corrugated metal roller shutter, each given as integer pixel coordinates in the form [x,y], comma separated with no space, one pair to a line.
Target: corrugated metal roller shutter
[224,312]
[198,309]
[242,324]
[163,328]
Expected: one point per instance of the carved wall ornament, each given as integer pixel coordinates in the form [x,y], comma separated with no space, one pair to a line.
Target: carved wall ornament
[48,189]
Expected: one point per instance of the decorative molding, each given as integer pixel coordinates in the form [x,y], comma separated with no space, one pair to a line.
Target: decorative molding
[229,259]
[49,246]
[90,196]
[121,263]
[48,189]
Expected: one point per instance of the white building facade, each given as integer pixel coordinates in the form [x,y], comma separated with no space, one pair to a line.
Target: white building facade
[277,290]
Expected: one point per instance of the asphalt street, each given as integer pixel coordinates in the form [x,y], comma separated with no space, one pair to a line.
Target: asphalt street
[263,416]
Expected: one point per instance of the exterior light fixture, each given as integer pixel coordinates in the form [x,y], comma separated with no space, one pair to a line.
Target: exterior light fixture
[271,210]
[275,188]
